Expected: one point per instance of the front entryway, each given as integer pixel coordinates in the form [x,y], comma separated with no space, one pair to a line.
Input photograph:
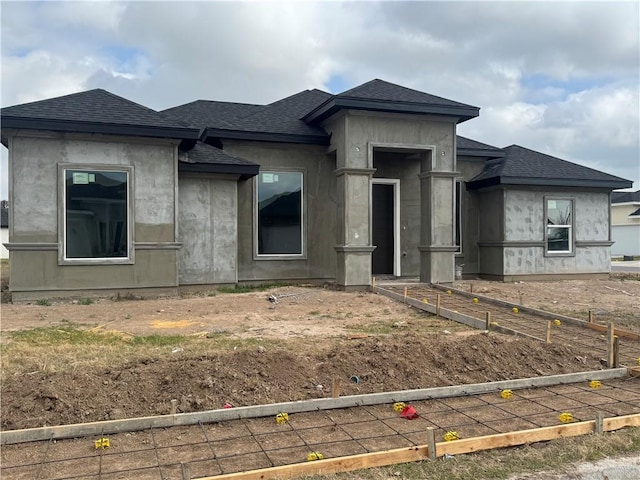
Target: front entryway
[384,222]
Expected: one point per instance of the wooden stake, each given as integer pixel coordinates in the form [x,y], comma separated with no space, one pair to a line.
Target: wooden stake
[590,316]
[616,352]
[521,298]
[431,442]
[488,321]
[405,294]
[599,422]
[549,331]
[174,406]
[335,387]
[471,287]
[438,305]
[610,340]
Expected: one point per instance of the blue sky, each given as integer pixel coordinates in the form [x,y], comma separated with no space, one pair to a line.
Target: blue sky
[559,77]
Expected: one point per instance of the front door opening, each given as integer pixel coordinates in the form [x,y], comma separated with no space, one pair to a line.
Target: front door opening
[382,226]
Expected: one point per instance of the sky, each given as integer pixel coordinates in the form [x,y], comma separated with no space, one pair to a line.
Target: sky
[562,78]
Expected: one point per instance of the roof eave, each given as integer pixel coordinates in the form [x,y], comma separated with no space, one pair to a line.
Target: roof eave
[550,182]
[181,133]
[264,136]
[472,152]
[333,105]
[245,171]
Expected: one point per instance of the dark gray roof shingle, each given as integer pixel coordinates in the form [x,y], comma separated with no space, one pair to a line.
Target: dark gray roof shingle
[468,147]
[379,95]
[97,111]
[206,158]
[390,92]
[521,166]
[284,115]
[207,113]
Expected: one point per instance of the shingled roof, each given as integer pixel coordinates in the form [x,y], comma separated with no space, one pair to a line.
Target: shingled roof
[96,111]
[207,113]
[521,166]
[381,96]
[472,148]
[205,158]
[625,197]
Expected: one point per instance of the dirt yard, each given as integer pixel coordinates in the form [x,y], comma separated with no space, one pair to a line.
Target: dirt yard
[246,349]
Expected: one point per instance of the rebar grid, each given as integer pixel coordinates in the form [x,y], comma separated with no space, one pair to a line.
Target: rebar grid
[522,322]
[260,442]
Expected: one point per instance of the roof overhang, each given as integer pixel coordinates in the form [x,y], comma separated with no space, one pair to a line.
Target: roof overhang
[24,123]
[462,113]
[245,171]
[549,182]
[211,133]
[472,152]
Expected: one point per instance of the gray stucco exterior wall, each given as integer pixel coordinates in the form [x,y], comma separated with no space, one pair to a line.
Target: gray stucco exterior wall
[320,208]
[207,229]
[36,203]
[512,228]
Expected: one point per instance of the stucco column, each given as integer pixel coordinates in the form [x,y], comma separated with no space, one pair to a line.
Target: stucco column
[354,248]
[437,251]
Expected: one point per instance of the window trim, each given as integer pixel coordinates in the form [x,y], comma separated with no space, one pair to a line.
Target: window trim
[62,213]
[572,235]
[303,217]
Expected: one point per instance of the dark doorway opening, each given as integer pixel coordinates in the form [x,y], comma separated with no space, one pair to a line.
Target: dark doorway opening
[382,197]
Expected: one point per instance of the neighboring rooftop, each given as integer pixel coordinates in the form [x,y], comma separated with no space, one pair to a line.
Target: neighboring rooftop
[96,111]
[625,197]
[521,166]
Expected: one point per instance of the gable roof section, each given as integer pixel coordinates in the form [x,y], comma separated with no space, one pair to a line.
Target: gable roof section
[521,166]
[203,158]
[380,96]
[625,197]
[472,148]
[96,111]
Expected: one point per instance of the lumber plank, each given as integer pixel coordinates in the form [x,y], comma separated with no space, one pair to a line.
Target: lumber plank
[331,465]
[616,423]
[500,440]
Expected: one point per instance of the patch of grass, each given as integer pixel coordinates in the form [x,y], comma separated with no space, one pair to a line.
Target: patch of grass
[85,301]
[375,328]
[314,312]
[68,334]
[44,302]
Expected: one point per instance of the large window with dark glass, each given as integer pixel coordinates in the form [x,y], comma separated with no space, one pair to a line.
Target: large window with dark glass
[279,213]
[559,233]
[96,214]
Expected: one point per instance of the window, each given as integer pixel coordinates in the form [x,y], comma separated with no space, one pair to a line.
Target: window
[279,213]
[559,234]
[458,216]
[97,218]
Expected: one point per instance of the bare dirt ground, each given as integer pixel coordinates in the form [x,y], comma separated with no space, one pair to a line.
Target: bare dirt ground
[245,349]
